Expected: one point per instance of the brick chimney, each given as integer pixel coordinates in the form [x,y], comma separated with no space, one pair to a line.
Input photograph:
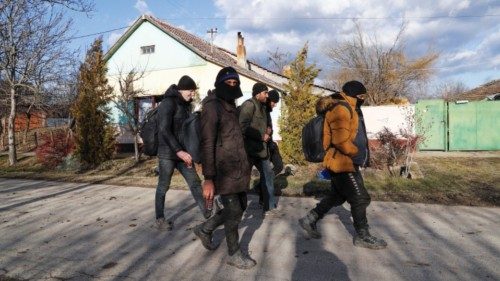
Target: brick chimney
[241,52]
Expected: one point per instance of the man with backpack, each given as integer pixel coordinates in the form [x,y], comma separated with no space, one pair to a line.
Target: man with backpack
[225,165]
[174,109]
[257,134]
[346,146]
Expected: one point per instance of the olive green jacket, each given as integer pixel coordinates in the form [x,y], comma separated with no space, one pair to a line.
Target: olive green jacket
[253,123]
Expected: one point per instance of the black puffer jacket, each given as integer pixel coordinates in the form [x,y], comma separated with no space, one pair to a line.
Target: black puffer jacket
[172,111]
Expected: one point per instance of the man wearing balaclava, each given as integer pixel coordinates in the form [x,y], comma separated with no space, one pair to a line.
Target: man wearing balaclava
[225,165]
[346,146]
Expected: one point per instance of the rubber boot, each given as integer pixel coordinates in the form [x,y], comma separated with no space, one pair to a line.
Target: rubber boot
[205,238]
[365,240]
[308,223]
[241,260]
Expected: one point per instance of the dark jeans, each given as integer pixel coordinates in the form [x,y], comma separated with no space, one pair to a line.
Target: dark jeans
[347,187]
[266,182]
[230,216]
[166,167]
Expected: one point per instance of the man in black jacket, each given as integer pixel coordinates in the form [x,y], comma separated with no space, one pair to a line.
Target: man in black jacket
[172,111]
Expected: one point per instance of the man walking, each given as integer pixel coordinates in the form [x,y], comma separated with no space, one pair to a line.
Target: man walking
[254,125]
[172,111]
[274,154]
[225,165]
[346,146]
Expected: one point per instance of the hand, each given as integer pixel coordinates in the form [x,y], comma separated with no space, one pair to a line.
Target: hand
[266,138]
[186,158]
[208,190]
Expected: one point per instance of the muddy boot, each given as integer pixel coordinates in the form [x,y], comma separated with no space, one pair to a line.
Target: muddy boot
[205,238]
[308,223]
[365,240]
[241,260]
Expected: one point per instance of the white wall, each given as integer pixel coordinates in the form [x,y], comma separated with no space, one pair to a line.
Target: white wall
[393,117]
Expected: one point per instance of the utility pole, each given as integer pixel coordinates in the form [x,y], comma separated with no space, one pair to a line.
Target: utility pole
[212,32]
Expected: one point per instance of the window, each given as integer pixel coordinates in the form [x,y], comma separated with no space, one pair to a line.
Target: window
[148,49]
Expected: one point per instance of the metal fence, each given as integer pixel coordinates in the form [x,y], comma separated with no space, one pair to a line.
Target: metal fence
[459,125]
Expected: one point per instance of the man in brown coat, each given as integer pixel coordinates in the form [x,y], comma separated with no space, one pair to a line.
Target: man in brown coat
[225,165]
[346,146]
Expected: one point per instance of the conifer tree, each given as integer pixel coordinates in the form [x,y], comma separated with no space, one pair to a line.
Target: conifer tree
[298,106]
[94,135]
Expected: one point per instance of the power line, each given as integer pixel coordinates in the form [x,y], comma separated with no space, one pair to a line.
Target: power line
[339,18]
[98,33]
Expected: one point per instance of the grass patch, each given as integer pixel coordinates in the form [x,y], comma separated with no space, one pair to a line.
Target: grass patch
[472,181]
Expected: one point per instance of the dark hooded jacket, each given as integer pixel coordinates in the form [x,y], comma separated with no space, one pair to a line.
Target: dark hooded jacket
[172,112]
[224,159]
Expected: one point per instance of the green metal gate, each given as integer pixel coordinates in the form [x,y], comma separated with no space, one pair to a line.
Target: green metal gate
[458,126]
[474,125]
[431,124]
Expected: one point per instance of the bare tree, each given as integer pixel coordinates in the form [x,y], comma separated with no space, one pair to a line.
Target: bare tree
[278,59]
[386,71]
[34,52]
[450,90]
[125,102]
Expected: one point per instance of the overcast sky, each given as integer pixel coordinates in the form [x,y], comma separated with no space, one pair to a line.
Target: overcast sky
[465,33]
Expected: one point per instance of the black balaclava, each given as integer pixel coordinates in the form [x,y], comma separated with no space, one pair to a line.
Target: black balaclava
[354,88]
[223,90]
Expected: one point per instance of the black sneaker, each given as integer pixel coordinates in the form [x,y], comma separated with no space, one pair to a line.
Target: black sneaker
[241,261]
[365,240]
[205,238]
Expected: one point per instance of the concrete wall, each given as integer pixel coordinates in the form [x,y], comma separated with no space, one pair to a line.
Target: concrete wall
[393,117]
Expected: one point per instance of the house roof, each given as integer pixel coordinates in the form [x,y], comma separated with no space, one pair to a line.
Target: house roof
[204,49]
[482,92]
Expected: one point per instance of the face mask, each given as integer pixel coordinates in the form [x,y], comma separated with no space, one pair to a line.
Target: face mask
[228,93]
[359,102]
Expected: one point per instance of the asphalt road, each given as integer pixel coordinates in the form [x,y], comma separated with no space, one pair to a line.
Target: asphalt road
[70,231]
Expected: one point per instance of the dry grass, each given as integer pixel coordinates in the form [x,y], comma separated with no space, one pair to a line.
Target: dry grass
[452,180]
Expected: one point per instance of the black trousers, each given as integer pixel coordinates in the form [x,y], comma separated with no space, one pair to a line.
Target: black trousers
[230,216]
[347,187]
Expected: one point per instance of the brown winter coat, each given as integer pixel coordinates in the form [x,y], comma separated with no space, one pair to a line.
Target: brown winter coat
[339,132]
[223,151]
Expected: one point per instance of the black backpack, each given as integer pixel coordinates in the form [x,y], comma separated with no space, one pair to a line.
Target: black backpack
[191,136]
[312,137]
[148,130]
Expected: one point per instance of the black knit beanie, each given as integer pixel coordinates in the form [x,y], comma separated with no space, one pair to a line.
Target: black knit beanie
[274,96]
[354,88]
[258,87]
[186,83]
[225,74]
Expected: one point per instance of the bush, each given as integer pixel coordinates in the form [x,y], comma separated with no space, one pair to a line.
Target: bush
[389,150]
[55,146]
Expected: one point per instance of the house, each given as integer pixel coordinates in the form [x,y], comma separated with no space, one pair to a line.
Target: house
[487,91]
[163,53]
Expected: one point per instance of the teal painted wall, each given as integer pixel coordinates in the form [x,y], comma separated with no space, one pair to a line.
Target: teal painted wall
[168,52]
